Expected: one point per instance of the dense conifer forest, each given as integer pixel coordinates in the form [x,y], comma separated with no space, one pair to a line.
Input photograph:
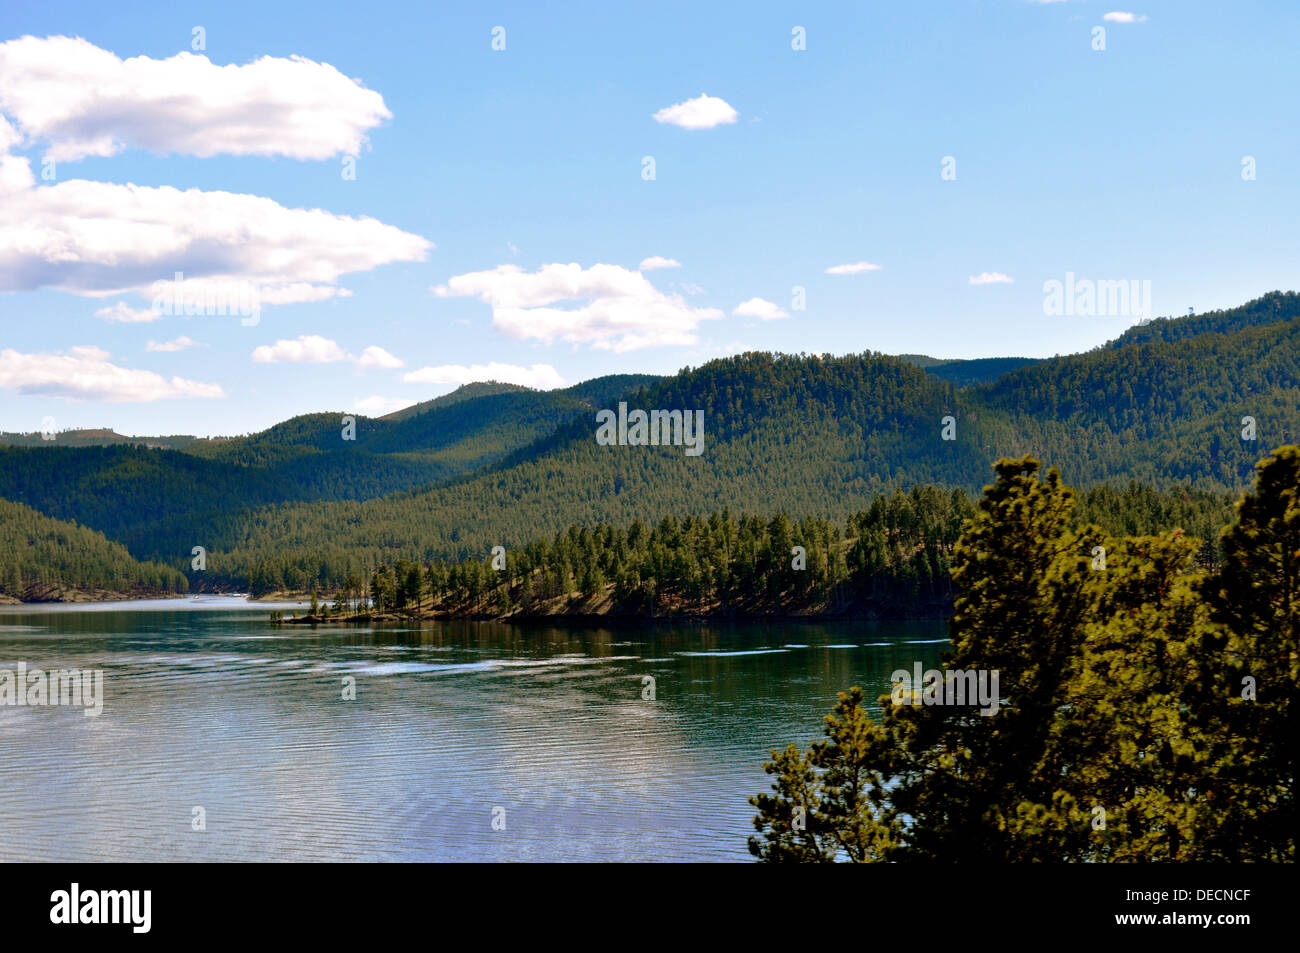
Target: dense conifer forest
[891,560]
[44,558]
[1172,416]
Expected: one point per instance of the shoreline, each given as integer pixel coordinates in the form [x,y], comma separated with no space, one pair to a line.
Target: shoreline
[70,596]
[582,616]
[595,619]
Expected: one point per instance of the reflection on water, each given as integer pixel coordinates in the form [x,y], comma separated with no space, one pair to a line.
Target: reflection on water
[220,710]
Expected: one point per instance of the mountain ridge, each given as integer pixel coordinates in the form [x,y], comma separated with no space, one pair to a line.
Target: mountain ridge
[808,435]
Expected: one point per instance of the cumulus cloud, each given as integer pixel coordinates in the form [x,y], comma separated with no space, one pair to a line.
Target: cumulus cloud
[540,376]
[99,239]
[759,308]
[655,261]
[314,349]
[15,172]
[124,313]
[377,357]
[179,344]
[299,292]
[306,349]
[854,269]
[1120,16]
[86,101]
[991,278]
[84,373]
[614,308]
[9,136]
[377,406]
[702,112]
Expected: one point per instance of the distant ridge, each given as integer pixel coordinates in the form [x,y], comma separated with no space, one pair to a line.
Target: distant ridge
[970,371]
[464,392]
[1166,404]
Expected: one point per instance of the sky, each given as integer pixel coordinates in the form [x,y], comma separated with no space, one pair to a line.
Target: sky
[395,199]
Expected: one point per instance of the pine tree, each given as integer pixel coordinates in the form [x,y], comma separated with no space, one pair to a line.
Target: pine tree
[1249,704]
[830,802]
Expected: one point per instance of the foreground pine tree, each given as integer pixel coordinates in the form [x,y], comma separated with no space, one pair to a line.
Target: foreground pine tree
[977,787]
[1146,709]
[1247,704]
[829,803]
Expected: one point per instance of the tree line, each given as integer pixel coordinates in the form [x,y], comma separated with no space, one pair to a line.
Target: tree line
[890,560]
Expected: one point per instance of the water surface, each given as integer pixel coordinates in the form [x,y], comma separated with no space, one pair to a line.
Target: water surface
[208,705]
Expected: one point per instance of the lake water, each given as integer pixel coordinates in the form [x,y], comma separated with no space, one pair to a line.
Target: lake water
[208,705]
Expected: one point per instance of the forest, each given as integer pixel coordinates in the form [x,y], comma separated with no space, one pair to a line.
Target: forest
[1146,713]
[1179,407]
[892,560]
[43,558]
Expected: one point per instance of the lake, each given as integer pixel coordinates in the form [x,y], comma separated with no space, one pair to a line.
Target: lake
[544,728]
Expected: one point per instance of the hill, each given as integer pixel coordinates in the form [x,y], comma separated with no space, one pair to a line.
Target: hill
[1166,404]
[103,437]
[156,501]
[44,558]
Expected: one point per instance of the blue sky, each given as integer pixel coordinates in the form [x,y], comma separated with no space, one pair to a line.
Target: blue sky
[489,165]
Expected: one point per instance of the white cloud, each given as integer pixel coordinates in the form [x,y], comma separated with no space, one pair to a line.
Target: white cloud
[124,313]
[702,112]
[84,373]
[377,406]
[619,310]
[759,308]
[179,344]
[98,239]
[314,349]
[374,356]
[540,376]
[9,136]
[691,288]
[991,278]
[15,172]
[307,349]
[85,101]
[1120,16]
[300,292]
[655,261]
[854,269]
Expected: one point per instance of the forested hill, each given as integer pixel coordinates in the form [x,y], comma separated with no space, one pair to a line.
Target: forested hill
[44,558]
[965,373]
[102,437]
[805,435]
[1276,307]
[802,435]
[149,498]
[464,392]
[1159,410]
